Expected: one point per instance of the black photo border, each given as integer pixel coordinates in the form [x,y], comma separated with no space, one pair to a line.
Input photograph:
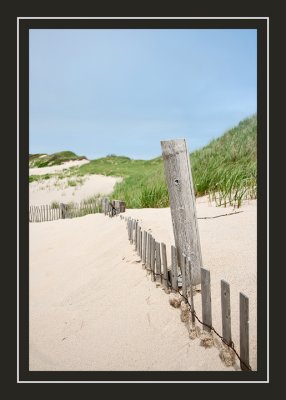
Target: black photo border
[24,375]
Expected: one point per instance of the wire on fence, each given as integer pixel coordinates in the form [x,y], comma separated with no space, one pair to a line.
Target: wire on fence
[193,312]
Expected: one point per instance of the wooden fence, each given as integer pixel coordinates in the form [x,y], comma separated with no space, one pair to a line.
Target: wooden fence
[112,207]
[51,213]
[154,258]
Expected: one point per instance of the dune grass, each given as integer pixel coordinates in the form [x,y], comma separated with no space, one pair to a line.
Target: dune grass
[47,160]
[225,169]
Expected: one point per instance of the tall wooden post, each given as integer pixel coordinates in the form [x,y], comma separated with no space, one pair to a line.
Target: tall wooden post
[183,204]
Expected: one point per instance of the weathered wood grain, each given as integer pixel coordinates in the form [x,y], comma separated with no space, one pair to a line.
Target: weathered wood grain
[182,203]
[152,266]
[206,299]
[174,269]
[144,248]
[244,330]
[165,279]
[191,292]
[158,262]
[225,311]
[184,278]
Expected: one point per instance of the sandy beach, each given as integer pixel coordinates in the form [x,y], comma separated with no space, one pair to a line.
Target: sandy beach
[93,306]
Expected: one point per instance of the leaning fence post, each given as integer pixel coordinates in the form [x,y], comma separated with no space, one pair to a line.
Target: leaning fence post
[182,203]
[244,330]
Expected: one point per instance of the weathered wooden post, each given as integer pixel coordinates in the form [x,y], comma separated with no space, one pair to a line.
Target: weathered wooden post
[63,210]
[183,204]
[122,206]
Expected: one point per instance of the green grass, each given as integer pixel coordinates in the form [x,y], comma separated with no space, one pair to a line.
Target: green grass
[55,204]
[35,178]
[47,160]
[225,170]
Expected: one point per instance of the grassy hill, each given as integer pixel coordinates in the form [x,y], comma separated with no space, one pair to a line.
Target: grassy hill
[225,169]
[47,160]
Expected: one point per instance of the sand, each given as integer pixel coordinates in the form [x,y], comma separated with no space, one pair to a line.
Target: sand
[57,168]
[52,190]
[93,306]
[70,188]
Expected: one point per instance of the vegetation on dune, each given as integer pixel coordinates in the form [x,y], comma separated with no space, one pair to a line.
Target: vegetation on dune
[36,178]
[48,160]
[225,169]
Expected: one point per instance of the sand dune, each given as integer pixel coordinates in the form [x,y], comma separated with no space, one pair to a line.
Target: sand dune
[57,168]
[68,189]
[59,190]
[93,307]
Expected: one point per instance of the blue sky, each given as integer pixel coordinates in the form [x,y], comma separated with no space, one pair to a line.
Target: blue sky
[108,91]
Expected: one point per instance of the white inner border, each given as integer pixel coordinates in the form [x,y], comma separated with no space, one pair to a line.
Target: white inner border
[176,18]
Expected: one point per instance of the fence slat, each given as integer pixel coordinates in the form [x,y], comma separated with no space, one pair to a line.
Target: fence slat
[140,241]
[128,229]
[244,330]
[152,266]
[158,263]
[206,298]
[131,228]
[149,251]
[174,269]
[225,311]
[191,292]
[144,248]
[165,268]
[184,278]
[135,234]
